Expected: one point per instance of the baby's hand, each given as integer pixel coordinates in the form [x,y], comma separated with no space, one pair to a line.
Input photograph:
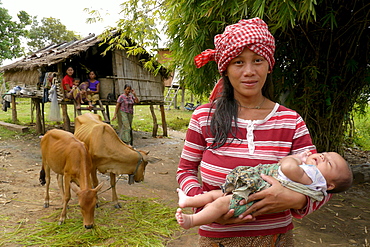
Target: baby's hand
[304,155]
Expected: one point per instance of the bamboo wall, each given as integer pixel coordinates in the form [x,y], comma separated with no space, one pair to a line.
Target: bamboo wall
[147,86]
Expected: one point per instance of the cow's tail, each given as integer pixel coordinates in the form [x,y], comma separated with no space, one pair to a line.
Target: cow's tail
[42,176]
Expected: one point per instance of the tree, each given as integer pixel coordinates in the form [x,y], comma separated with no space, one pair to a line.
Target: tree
[50,31]
[11,33]
[136,32]
[322,56]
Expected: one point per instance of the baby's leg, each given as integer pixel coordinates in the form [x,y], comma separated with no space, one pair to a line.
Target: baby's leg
[198,200]
[207,215]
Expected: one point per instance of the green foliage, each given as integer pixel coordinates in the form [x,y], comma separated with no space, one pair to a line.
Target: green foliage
[11,33]
[322,54]
[358,132]
[114,227]
[325,69]
[136,30]
[50,31]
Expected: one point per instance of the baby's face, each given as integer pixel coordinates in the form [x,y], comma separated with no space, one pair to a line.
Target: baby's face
[331,164]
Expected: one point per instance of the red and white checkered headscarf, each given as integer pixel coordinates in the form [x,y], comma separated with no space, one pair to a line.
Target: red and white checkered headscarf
[251,33]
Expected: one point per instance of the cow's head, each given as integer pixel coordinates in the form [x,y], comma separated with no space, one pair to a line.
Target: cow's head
[138,176]
[87,200]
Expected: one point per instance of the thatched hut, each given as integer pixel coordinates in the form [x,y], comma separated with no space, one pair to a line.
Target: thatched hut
[114,69]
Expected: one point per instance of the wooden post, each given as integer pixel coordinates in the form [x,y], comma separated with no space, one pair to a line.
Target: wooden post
[43,116]
[14,110]
[155,122]
[164,124]
[182,98]
[66,121]
[36,103]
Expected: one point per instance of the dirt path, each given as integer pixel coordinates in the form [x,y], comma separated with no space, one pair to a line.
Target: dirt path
[344,221]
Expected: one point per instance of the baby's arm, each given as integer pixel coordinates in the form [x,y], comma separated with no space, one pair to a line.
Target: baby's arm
[290,167]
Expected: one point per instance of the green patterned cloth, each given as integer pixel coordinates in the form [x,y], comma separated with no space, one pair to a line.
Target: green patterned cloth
[245,180]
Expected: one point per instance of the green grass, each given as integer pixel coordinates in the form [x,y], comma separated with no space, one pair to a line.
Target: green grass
[362,130]
[176,119]
[140,222]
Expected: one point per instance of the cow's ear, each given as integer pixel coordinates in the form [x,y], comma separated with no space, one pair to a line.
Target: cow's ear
[99,187]
[75,188]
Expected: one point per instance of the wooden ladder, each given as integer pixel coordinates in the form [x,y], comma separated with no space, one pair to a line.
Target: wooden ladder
[95,109]
[171,95]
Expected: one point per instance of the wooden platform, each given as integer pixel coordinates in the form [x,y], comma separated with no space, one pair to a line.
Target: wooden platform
[15,127]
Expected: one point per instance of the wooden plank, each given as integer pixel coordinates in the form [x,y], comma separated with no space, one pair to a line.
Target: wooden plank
[15,127]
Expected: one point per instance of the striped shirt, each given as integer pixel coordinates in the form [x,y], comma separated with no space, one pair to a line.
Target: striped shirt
[266,141]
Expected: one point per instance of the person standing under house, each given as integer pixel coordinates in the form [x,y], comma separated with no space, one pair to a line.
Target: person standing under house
[125,104]
[93,89]
[243,126]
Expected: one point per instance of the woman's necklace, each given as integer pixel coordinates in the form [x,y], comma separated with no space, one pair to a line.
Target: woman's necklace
[254,107]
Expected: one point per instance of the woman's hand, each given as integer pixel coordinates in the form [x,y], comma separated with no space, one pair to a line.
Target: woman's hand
[274,199]
[229,219]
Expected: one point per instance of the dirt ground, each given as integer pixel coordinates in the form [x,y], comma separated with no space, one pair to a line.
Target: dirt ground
[344,221]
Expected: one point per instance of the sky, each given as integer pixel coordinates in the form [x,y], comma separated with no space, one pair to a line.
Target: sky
[70,12]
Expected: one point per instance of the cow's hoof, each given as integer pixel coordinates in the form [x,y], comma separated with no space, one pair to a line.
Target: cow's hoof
[46,205]
[97,205]
[60,222]
[89,226]
[118,205]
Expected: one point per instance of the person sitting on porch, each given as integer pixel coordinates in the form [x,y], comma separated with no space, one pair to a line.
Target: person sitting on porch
[94,88]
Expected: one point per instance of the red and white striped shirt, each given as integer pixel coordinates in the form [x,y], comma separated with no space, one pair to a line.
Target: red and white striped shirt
[281,133]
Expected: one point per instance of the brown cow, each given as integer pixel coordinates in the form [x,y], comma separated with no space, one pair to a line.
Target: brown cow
[108,152]
[68,157]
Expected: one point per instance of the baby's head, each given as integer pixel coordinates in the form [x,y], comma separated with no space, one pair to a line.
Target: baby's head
[334,168]
[76,81]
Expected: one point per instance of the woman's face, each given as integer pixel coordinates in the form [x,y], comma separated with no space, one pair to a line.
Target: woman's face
[92,75]
[70,71]
[247,74]
[127,90]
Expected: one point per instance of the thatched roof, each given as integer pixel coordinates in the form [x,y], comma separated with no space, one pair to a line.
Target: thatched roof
[52,54]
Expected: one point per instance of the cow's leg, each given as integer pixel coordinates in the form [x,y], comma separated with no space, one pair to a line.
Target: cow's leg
[66,198]
[60,184]
[95,183]
[47,184]
[114,193]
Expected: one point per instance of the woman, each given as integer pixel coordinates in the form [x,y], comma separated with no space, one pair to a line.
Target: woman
[242,126]
[125,103]
[93,89]
[71,87]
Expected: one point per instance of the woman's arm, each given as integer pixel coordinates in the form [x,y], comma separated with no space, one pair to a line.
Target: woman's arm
[118,105]
[274,199]
[97,88]
[136,99]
